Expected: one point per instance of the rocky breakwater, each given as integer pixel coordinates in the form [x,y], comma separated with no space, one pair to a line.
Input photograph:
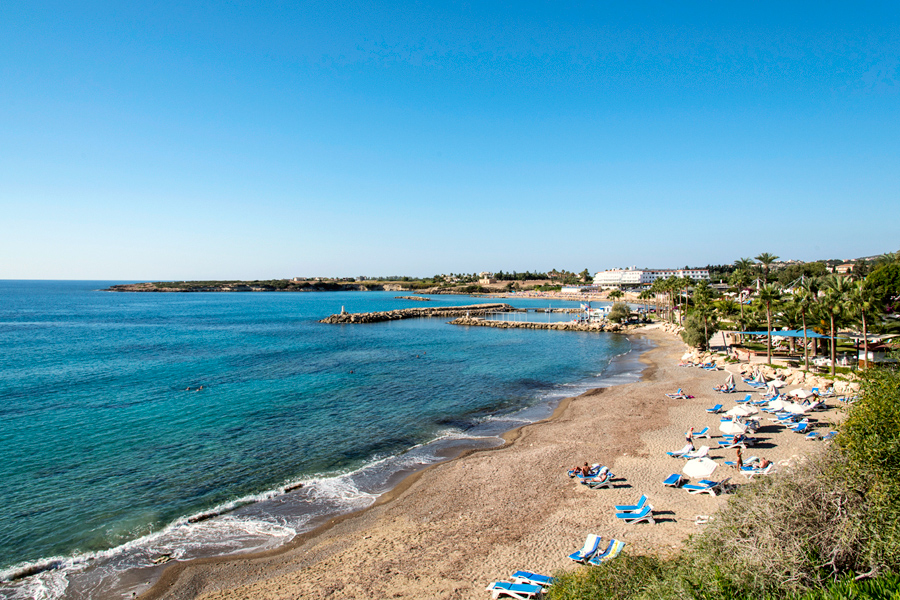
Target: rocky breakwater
[566,326]
[414,313]
[417,298]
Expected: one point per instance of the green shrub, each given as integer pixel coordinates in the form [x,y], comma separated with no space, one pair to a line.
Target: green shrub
[619,312]
[697,333]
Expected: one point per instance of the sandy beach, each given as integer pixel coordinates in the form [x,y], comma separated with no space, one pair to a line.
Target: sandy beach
[450,530]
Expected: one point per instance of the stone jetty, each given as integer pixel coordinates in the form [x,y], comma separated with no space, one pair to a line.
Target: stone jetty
[419,298]
[564,326]
[413,313]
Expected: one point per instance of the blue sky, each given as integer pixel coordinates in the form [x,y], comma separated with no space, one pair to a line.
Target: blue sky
[275,139]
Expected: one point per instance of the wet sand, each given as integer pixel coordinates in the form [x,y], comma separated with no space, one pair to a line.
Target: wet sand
[448,531]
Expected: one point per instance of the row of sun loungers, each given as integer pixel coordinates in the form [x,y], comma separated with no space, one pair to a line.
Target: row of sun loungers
[635,513]
[525,584]
[590,552]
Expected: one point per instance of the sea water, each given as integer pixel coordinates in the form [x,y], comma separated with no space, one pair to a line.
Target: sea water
[114,461]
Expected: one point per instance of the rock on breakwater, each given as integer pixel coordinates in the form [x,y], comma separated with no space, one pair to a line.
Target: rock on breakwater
[419,298]
[563,326]
[412,313]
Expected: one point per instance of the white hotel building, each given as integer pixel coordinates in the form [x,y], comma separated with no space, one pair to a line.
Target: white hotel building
[642,277]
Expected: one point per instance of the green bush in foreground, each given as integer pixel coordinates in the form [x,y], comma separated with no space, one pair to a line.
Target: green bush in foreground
[826,528]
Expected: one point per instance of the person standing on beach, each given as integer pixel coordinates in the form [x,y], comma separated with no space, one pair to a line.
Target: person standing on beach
[689,438]
[740,460]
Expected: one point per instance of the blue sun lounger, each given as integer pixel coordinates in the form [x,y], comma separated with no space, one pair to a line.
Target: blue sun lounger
[800,427]
[612,551]
[533,578]
[632,507]
[645,514]
[715,409]
[707,486]
[674,480]
[591,544]
[515,590]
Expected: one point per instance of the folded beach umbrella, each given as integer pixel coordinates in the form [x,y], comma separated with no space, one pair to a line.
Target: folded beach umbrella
[732,427]
[800,393]
[729,381]
[699,467]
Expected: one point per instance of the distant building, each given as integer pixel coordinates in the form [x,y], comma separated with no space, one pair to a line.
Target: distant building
[486,280]
[634,276]
[844,268]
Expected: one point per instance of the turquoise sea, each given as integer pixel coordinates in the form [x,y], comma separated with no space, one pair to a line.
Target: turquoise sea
[113,461]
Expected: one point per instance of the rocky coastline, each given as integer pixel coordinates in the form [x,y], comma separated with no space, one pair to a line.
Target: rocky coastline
[413,313]
[254,286]
[604,326]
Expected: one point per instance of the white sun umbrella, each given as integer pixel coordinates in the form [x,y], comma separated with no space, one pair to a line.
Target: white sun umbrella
[742,410]
[686,355]
[800,393]
[760,376]
[729,381]
[732,427]
[699,467]
[777,405]
[794,408]
[777,383]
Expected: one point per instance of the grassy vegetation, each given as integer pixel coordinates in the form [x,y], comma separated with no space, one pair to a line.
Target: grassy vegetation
[826,528]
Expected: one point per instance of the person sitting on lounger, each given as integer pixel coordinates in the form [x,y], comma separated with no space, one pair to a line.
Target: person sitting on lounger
[583,471]
[763,463]
[602,475]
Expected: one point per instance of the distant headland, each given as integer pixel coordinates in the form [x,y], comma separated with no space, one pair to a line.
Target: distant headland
[273,285]
[471,284]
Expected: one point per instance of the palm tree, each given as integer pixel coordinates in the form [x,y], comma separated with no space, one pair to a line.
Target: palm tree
[769,294]
[703,307]
[741,279]
[672,285]
[615,295]
[834,303]
[657,288]
[745,264]
[686,282]
[804,300]
[864,300]
[766,259]
[645,295]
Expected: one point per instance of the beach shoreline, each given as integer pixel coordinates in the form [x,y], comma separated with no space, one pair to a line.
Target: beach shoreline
[448,530]
[168,586]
